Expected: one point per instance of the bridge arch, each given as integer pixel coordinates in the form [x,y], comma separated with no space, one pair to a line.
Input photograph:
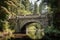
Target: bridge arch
[23,29]
[32,30]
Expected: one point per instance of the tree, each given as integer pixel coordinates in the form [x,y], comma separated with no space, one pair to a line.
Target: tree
[26,4]
[6,7]
[31,7]
[55,28]
[55,5]
[40,7]
[6,12]
[35,8]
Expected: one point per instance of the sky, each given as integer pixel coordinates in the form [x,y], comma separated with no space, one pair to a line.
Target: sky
[34,1]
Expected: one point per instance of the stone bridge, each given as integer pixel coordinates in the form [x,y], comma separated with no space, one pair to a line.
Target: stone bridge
[22,21]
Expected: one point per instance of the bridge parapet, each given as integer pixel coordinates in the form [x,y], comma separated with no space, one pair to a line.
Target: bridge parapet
[29,16]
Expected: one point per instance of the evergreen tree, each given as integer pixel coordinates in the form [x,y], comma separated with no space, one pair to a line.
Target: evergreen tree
[26,4]
[31,7]
[35,8]
[40,7]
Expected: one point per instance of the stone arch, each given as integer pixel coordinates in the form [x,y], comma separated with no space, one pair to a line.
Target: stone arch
[23,29]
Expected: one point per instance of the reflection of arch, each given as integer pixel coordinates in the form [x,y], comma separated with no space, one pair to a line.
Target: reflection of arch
[23,29]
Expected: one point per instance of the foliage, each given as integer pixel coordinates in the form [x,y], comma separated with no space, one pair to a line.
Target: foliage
[35,31]
[1,25]
[31,7]
[5,13]
[24,12]
[4,28]
[51,33]
[35,8]
[26,4]
[8,33]
[51,29]
[55,6]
